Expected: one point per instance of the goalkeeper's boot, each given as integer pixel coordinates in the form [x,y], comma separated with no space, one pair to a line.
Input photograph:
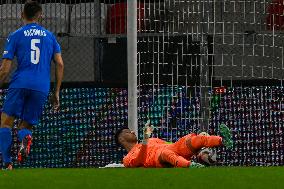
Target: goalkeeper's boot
[25,148]
[226,135]
[7,166]
[196,165]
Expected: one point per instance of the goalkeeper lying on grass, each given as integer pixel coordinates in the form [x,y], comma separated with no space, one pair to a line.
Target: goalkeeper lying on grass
[154,152]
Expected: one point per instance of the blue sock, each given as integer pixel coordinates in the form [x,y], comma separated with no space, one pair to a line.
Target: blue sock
[23,133]
[5,144]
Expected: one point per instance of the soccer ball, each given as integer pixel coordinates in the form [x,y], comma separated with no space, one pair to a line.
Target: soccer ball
[207,156]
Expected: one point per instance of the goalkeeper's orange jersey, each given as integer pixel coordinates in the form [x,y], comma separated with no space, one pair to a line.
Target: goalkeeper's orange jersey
[177,154]
[145,155]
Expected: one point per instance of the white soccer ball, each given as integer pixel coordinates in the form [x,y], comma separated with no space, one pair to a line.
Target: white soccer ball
[207,156]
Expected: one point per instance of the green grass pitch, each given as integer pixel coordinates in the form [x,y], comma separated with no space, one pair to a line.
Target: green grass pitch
[209,178]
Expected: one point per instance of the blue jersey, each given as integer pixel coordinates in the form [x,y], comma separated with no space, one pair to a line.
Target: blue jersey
[34,48]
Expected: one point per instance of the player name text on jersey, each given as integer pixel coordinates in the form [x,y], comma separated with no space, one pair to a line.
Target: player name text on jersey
[34,32]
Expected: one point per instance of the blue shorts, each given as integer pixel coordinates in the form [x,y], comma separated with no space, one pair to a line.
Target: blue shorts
[25,104]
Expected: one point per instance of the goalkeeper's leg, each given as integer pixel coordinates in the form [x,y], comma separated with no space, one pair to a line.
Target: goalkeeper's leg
[170,157]
[191,144]
[197,142]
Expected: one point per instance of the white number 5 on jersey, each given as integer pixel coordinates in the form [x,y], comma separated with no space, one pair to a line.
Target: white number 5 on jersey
[35,51]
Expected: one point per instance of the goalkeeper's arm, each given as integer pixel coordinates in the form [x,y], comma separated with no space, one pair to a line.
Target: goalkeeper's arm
[147,131]
[139,159]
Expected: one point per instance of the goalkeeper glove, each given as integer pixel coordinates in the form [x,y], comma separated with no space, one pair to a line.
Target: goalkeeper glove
[147,131]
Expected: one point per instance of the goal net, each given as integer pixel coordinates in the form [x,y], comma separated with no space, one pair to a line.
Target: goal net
[206,62]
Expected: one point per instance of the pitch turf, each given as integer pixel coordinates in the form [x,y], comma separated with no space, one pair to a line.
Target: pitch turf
[209,178]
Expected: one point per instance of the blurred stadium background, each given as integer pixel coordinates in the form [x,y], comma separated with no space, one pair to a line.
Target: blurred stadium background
[200,63]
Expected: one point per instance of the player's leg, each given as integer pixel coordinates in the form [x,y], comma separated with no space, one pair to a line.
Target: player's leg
[12,108]
[169,157]
[6,139]
[25,137]
[197,142]
[34,103]
[191,144]
[200,141]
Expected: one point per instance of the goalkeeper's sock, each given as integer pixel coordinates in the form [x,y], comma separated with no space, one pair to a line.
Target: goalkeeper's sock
[5,144]
[23,133]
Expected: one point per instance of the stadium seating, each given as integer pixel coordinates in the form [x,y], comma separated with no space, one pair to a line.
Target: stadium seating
[85,18]
[10,18]
[55,17]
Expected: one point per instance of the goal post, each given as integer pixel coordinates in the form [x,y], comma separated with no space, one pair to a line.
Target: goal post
[132,64]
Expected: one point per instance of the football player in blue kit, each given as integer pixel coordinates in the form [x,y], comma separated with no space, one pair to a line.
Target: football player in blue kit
[35,48]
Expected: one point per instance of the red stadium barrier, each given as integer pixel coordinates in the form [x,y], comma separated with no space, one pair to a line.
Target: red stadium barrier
[275,18]
[117,18]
